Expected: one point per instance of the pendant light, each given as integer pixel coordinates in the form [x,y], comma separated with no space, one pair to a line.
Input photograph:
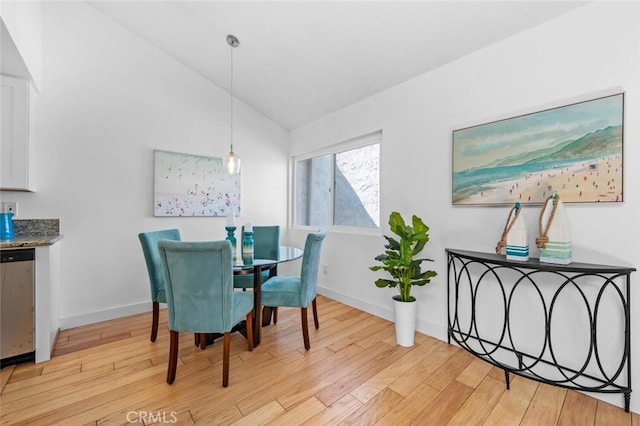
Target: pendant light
[233,160]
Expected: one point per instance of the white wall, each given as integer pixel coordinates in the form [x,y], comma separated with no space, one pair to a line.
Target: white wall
[109,99]
[24,23]
[585,53]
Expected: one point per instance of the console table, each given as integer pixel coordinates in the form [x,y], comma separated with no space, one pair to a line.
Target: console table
[565,325]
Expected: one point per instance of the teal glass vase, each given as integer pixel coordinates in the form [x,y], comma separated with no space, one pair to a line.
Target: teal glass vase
[247,248]
[231,231]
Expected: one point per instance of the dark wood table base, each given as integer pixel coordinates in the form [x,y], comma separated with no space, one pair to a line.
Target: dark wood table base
[241,327]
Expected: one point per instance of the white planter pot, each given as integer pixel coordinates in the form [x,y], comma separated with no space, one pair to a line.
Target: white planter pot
[404,314]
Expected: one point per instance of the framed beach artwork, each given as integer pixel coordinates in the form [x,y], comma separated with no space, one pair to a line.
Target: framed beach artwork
[575,150]
[193,185]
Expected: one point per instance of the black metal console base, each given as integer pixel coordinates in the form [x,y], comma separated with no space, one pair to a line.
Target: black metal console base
[564,325]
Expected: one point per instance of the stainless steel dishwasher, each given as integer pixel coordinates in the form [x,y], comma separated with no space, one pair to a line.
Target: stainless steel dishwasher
[17,271]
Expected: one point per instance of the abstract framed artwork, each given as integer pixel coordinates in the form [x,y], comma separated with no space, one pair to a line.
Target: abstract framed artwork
[193,185]
[575,150]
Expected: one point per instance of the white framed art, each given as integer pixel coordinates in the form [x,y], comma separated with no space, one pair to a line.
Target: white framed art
[193,185]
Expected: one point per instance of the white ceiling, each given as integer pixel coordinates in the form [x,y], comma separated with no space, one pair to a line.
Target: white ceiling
[299,61]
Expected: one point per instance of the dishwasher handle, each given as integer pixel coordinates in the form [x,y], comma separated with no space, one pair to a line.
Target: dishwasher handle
[17,255]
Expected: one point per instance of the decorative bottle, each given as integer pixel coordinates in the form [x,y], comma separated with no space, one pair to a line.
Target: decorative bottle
[232,238]
[247,247]
[231,234]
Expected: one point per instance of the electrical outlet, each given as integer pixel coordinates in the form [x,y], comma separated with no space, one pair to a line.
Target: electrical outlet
[10,207]
[325,269]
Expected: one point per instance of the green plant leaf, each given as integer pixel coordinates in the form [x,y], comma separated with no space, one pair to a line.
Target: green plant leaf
[398,259]
[393,243]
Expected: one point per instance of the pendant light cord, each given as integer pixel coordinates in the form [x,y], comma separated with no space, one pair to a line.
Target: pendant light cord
[233,162]
[232,47]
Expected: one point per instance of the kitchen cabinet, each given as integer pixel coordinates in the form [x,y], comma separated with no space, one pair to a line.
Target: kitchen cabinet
[46,286]
[47,293]
[44,236]
[16,172]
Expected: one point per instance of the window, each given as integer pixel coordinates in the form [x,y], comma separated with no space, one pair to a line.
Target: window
[341,186]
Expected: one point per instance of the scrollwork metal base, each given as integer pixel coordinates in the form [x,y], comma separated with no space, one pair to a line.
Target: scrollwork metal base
[564,325]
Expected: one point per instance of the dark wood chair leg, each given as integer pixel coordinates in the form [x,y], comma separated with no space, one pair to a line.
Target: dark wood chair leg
[173,356]
[225,359]
[266,315]
[154,321]
[315,313]
[250,330]
[305,328]
[203,341]
[196,339]
[275,314]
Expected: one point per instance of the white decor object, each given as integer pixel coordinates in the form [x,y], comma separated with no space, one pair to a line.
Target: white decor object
[554,240]
[404,314]
[515,237]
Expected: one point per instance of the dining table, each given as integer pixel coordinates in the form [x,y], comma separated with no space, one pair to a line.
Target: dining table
[256,267]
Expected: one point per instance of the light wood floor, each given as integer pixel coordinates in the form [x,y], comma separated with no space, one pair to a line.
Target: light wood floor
[110,373]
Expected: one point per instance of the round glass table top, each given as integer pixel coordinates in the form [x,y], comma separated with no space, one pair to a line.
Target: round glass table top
[285,254]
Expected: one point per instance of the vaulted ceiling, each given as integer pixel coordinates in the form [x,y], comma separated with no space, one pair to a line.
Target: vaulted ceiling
[301,60]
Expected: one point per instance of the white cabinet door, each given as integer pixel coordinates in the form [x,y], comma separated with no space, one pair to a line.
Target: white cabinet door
[14,133]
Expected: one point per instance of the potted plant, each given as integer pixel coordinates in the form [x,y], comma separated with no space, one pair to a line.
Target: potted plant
[399,260]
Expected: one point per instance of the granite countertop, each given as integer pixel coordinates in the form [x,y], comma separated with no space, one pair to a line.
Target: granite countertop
[33,233]
[30,241]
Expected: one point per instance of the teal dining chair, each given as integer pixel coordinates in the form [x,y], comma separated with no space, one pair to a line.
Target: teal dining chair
[149,241]
[198,280]
[298,291]
[266,240]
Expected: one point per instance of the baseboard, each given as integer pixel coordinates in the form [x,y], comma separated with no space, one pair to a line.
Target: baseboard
[357,303]
[54,340]
[422,326]
[107,314]
[425,327]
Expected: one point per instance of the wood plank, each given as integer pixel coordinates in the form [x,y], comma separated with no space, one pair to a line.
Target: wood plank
[111,407]
[578,409]
[513,403]
[608,414]
[375,408]
[474,373]
[223,416]
[451,369]
[381,336]
[373,326]
[42,403]
[24,372]
[5,373]
[479,404]
[265,415]
[497,373]
[545,406]
[406,383]
[410,407]
[444,406]
[336,412]
[300,413]
[319,376]
[359,375]
[384,378]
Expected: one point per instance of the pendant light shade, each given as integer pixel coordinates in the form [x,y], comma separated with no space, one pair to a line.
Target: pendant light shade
[232,160]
